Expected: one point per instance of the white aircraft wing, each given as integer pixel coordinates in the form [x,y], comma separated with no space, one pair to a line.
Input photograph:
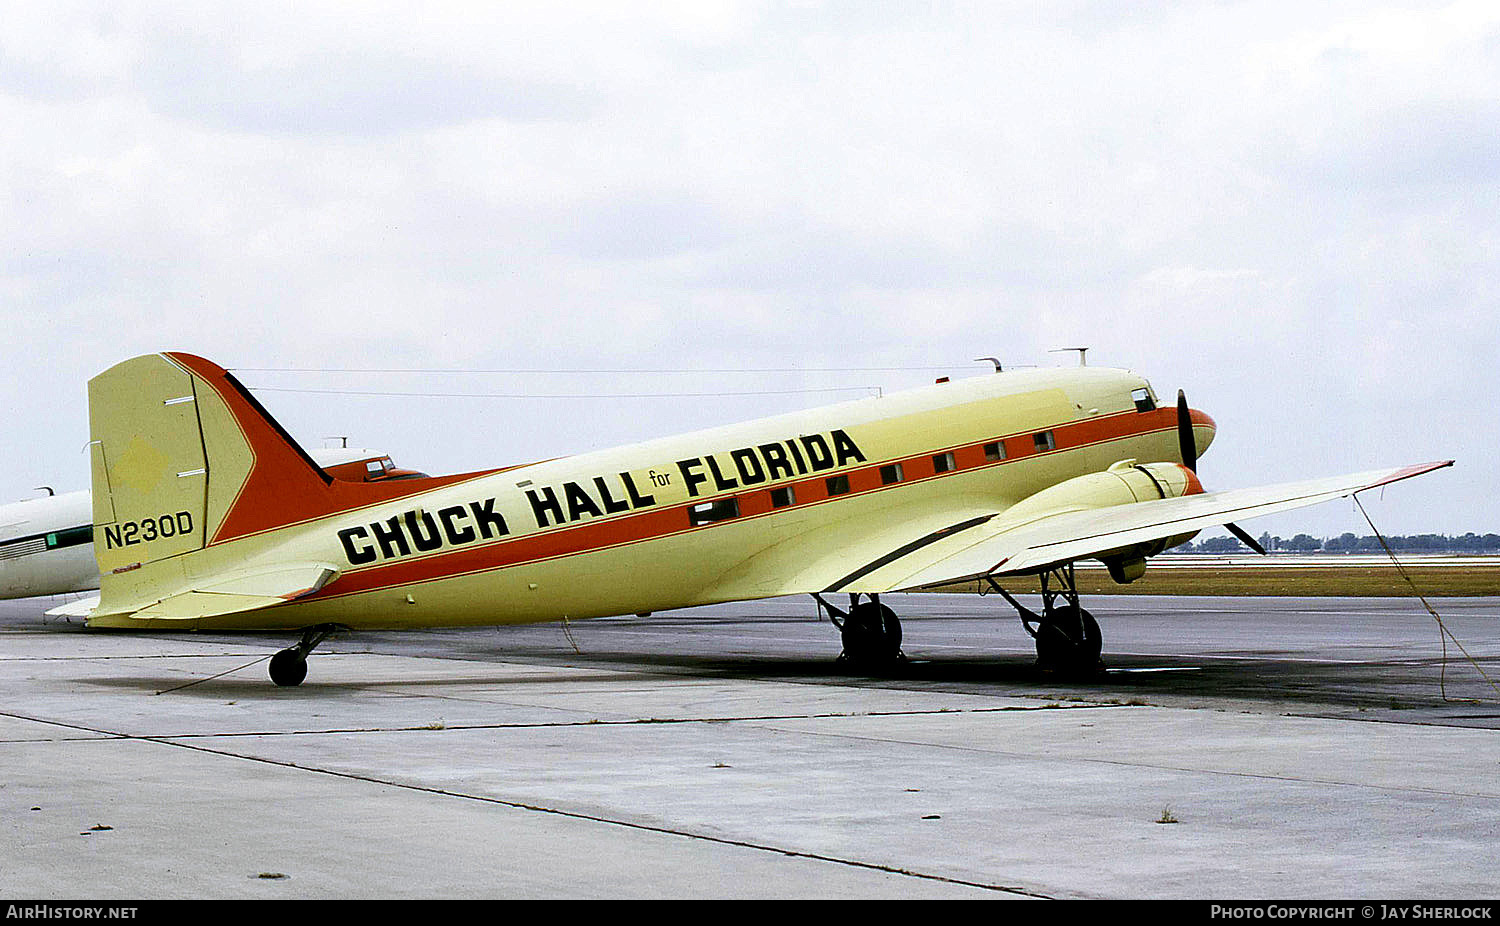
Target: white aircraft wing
[991,546]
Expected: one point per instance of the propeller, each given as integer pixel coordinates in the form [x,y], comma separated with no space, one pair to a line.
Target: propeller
[1187,445]
[1186,442]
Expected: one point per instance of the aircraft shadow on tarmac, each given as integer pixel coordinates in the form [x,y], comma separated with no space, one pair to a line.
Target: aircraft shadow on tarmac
[605,666]
[251,683]
[1004,674]
[1395,686]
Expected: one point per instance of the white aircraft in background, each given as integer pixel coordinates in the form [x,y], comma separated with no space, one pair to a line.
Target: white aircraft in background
[47,543]
[208,515]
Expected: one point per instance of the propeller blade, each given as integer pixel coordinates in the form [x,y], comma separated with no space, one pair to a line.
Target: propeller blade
[1245,538]
[1186,443]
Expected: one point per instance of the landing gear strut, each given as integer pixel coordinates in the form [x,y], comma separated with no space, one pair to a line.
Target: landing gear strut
[1067,636]
[289,667]
[870,630]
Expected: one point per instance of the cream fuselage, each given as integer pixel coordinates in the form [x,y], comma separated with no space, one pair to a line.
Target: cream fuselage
[703,517]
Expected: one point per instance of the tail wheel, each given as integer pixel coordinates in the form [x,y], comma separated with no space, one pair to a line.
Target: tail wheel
[288,668]
[1069,640]
[871,634]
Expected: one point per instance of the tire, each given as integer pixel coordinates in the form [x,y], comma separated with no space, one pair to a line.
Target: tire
[288,668]
[872,635]
[1070,641]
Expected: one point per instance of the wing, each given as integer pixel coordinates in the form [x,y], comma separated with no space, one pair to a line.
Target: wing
[981,545]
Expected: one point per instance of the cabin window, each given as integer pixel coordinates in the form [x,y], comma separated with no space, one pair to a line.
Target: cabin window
[1044,441]
[838,485]
[891,473]
[994,451]
[942,462]
[1144,402]
[784,496]
[709,512]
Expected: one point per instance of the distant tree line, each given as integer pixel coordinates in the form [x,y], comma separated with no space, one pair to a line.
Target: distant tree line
[1470,543]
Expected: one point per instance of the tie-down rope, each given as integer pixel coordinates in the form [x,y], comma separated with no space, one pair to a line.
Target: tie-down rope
[1444,633]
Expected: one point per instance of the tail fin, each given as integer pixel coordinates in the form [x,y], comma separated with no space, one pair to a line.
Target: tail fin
[183,457]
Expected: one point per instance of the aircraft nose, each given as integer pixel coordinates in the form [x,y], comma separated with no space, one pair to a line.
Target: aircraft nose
[1204,430]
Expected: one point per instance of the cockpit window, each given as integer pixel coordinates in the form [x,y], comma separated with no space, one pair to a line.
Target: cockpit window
[1144,401]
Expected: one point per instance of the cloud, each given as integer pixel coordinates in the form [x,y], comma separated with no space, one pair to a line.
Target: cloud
[1289,210]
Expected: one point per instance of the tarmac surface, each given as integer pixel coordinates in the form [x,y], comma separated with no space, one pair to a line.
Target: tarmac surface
[1237,748]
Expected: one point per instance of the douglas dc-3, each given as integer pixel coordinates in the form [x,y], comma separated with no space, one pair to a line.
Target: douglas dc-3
[208,515]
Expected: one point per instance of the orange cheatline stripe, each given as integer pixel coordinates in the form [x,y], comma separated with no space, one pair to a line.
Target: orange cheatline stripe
[655,524]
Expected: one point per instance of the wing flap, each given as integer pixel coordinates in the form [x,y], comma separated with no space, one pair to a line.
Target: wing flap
[998,547]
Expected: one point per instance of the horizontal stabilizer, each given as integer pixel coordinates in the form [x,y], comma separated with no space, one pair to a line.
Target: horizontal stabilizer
[246,590]
[83,607]
[282,582]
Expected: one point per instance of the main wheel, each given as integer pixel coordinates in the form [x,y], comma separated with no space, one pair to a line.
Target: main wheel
[872,635]
[288,668]
[1069,640]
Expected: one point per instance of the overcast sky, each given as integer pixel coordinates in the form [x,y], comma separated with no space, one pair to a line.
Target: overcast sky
[1289,210]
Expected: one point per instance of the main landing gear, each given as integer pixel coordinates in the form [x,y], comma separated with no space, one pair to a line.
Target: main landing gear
[871,632]
[289,667]
[1067,637]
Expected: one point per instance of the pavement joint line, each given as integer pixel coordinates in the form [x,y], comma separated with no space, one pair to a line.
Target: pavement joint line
[576,815]
[1255,658]
[84,657]
[540,725]
[1434,722]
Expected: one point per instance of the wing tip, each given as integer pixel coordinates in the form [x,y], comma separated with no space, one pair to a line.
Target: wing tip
[1407,472]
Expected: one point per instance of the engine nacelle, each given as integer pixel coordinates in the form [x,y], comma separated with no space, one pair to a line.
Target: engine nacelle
[1124,483]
